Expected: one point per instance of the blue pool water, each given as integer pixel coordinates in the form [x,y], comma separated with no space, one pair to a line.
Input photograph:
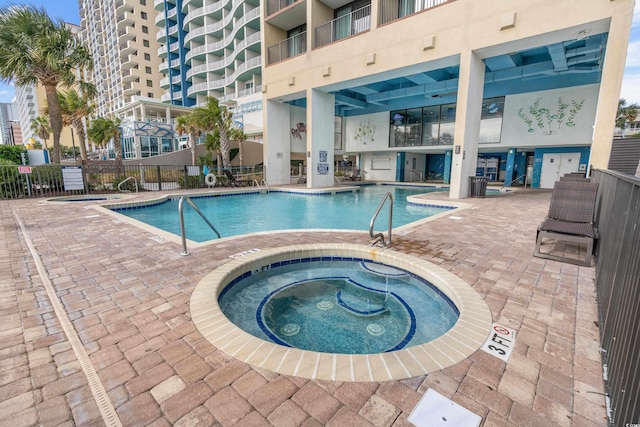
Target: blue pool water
[234,215]
[347,306]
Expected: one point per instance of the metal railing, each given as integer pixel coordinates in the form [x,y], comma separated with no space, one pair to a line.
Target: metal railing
[185,252]
[101,177]
[344,26]
[617,283]
[124,181]
[379,237]
[287,48]
[274,6]
[390,10]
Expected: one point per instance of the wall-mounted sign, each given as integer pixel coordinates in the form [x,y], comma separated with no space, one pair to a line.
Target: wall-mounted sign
[323,168]
[323,157]
[72,178]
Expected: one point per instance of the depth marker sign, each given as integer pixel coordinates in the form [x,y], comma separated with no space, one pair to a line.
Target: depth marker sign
[500,342]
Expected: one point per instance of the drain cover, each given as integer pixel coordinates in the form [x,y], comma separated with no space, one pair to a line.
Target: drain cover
[374,329]
[290,329]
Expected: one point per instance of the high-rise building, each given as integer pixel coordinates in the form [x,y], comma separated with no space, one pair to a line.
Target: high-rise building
[212,48]
[7,116]
[120,35]
[26,103]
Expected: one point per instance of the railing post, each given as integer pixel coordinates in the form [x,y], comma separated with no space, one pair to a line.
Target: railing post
[159,179]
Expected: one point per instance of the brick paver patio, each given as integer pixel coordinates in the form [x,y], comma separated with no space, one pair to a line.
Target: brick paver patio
[127,297]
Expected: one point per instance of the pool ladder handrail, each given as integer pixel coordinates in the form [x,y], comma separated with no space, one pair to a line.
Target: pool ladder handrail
[256,184]
[185,252]
[125,180]
[379,237]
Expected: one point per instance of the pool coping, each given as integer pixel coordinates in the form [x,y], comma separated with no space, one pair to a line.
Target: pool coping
[106,207]
[465,338]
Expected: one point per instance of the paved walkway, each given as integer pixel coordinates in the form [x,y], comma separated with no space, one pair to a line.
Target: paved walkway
[126,296]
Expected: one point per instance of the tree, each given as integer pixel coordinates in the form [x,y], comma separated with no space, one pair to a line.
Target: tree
[35,49]
[212,143]
[188,123]
[627,114]
[40,125]
[103,130]
[237,135]
[74,107]
[213,118]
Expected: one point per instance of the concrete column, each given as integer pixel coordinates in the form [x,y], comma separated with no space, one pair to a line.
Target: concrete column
[320,113]
[611,83]
[277,145]
[521,167]
[467,131]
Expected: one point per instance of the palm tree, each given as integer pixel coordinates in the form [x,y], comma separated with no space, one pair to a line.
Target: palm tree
[40,125]
[35,49]
[626,113]
[213,118]
[103,130]
[212,143]
[189,124]
[238,135]
[74,108]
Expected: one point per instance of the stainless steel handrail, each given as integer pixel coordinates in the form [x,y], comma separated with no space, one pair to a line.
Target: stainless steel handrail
[125,180]
[380,236]
[182,233]
[265,185]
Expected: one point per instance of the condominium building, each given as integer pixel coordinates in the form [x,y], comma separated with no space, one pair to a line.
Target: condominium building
[26,104]
[120,35]
[7,118]
[455,89]
[212,48]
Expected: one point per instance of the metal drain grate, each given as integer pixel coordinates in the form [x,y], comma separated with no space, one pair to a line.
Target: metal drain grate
[107,410]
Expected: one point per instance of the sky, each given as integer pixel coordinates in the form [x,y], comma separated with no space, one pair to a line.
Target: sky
[67,10]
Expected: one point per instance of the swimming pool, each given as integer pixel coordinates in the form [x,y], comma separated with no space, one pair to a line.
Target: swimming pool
[236,214]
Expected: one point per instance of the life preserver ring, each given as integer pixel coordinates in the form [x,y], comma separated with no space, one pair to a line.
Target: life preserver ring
[210,180]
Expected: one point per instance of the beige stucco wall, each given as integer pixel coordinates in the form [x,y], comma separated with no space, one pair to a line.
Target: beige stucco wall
[458,28]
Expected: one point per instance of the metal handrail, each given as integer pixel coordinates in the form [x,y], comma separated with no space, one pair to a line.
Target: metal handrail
[521,176]
[123,181]
[265,184]
[182,233]
[380,236]
[337,180]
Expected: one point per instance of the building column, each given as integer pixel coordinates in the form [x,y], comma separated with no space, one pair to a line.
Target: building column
[610,86]
[467,131]
[277,144]
[320,124]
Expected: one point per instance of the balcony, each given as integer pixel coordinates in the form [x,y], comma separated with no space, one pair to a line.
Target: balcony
[127,20]
[288,48]
[345,26]
[291,16]
[274,6]
[389,10]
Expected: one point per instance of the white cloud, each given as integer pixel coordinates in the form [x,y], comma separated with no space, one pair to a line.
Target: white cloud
[631,87]
[6,93]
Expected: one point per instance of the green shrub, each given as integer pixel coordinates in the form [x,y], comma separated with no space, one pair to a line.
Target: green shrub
[12,153]
[47,177]
[192,181]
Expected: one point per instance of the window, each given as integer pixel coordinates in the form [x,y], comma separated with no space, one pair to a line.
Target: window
[150,94]
[145,43]
[433,125]
[147,57]
[149,83]
[145,29]
[143,15]
[491,120]
[143,2]
[147,70]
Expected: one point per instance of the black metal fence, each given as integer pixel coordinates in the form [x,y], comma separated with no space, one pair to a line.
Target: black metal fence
[618,285]
[18,182]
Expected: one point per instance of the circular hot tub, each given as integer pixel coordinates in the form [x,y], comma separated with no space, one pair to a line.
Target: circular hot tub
[340,312]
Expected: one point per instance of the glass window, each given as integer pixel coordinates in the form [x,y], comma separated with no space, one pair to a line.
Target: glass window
[145,29]
[147,57]
[447,124]
[149,83]
[430,125]
[397,128]
[337,133]
[143,15]
[153,146]
[413,127]
[491,120]
[145,43]
[147,70]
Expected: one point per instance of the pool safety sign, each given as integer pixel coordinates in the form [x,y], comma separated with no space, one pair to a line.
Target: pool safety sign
[500,342]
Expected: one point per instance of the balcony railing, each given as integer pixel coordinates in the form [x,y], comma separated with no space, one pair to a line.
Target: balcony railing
[390,10]
[274,6]
[345,26]
[287,48]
